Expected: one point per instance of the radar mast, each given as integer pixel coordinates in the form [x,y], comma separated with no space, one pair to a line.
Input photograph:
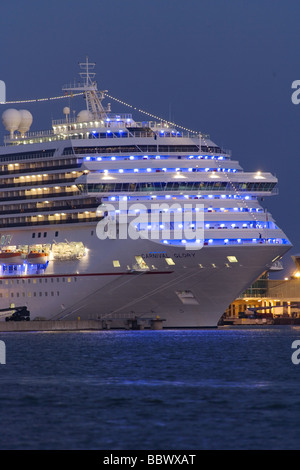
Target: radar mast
[88,86]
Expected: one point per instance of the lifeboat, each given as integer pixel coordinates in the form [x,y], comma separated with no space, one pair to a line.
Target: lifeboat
[37,257]
[11,257]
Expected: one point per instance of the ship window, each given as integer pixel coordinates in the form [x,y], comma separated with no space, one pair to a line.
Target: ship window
[116,264]
[12,294]
[232,259]
[41,294]
[69,279]
[45,234]
[46,293]
[52,293]
[56,234]
[34,294]
[1,294]
[18,295]
[39,235]
[34,281]
[57,292]
[33,235]
[170,261]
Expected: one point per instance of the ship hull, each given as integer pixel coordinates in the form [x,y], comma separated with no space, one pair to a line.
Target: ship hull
[106,284]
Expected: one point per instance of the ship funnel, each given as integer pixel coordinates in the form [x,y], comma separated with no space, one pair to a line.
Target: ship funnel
[11,119]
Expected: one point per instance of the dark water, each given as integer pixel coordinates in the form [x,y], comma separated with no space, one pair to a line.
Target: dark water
[151,390]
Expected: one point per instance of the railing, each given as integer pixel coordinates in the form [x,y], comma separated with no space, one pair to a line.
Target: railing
[51,222]
[47,181]
[65,207]
[40,196]
[40,169]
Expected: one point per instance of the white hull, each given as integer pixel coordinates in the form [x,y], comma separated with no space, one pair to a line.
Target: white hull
[91,288]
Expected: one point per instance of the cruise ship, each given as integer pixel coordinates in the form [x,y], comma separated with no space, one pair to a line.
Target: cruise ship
[103,217]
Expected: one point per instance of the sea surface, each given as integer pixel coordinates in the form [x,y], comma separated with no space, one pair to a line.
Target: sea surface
[151,390]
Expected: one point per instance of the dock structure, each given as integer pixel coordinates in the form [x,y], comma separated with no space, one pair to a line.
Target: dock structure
[81,325]
[268,301]
[50,325]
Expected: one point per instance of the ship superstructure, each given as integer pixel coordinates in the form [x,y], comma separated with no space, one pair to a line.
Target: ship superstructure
[105,217]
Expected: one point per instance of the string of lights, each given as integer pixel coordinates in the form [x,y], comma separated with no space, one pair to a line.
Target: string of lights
[37,100]
[40,99]
[150,114]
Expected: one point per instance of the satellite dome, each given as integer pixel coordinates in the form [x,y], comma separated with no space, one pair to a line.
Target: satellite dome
[11,119]
[84,116]
[66,110]
[26,121]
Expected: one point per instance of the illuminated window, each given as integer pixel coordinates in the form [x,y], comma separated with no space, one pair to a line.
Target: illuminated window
[169,261]
[140,261]
[232,259]
[116,264]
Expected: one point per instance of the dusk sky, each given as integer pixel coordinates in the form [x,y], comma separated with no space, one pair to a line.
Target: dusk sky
[222,67]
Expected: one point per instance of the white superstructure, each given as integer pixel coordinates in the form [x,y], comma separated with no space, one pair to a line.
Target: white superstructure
[105,217]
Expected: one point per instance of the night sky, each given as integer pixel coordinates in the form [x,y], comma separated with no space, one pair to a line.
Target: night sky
[223,67]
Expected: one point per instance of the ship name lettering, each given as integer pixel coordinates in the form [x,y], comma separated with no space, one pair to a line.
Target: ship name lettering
[184,255]
[154,255]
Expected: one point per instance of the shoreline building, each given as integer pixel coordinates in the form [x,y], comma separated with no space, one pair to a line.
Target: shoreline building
[268,300]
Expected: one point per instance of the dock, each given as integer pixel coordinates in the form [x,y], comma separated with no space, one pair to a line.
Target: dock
[75,325]
[50,325]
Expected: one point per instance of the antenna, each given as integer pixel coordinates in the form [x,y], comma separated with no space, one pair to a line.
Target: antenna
[87,75]
[88,86]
